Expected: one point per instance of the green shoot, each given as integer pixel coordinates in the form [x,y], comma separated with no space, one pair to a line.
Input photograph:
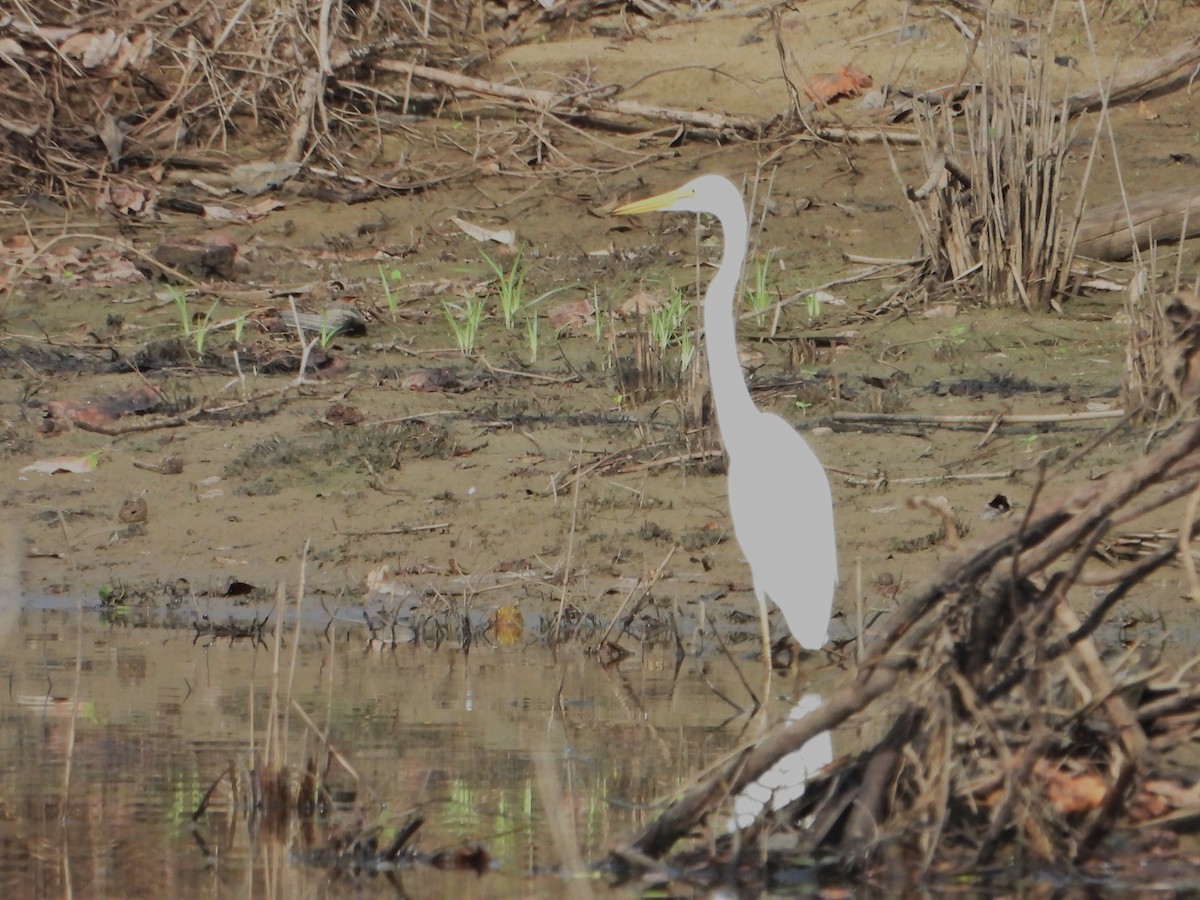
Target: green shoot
[200,331]
[194,332]
[597,317]
[531,334]
[329,330]
[392,298]
[759,297]
[687,349]
[464,321]
[239,328]
[179,298]
[812,302]
[509,286]
[667,321]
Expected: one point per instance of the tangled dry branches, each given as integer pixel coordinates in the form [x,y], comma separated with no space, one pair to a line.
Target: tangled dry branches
[1010,731]
[110,85]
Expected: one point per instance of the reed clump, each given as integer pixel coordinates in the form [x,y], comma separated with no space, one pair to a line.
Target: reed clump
[992,213]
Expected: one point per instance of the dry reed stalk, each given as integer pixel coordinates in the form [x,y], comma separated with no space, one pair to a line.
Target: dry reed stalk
[267,789]
[1146,340]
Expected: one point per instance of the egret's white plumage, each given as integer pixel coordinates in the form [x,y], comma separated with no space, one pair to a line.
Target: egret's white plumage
[779,496]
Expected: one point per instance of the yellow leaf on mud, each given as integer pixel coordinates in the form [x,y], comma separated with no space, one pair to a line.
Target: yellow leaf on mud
[76,465]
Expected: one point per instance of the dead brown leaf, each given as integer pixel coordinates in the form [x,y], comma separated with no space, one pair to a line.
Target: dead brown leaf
[573,315]
[431,381]
[128,200]
[93,49]
[940,311]
[640,304]
[132,54]
[246,214]
[99,412]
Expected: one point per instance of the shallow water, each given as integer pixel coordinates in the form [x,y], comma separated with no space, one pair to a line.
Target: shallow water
[106,809]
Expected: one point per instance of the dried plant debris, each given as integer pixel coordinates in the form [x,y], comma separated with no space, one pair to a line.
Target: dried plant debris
[95,413]
[382,849]
[1014,735]
[188,82]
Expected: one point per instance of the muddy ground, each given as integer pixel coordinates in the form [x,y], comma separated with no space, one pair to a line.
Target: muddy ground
[498,477]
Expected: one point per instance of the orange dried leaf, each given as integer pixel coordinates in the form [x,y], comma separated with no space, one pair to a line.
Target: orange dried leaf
[99,413]
[127,199]
[826,87]
[1072,793]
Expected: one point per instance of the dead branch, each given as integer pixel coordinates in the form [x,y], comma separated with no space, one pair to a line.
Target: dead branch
[613,113]
[314,83]
[983,421]
[571,104]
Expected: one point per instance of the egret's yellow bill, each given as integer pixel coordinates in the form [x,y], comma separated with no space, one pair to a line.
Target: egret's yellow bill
[655,203]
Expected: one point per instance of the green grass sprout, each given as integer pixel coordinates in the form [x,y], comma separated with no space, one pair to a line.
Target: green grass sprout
[759,297]
[464,320]
[510,286]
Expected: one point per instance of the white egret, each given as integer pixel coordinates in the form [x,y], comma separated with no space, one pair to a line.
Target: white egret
[779,496]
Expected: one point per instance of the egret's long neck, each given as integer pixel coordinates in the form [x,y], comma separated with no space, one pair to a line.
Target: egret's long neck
[730,394]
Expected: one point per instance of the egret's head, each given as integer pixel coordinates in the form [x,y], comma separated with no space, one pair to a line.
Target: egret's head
[703,194]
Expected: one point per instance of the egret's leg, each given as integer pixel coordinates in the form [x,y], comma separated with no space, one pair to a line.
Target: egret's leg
[765,696]
[766,626]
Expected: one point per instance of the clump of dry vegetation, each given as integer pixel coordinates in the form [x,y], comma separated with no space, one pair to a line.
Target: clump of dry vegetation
[1012,734]
[992,214]
[138,86]
[998,218]
[311,809]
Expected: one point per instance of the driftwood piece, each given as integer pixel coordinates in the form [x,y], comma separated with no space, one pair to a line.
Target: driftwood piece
[1110,232]
[981,667]
[1141,81]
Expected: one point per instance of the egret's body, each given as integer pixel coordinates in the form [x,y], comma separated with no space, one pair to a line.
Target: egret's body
[779,497]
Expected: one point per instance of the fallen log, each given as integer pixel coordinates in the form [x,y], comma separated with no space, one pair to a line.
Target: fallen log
[1141,81]
[1111,232]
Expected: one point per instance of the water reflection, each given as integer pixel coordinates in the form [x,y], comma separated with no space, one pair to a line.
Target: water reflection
[785,781]
[104,762]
